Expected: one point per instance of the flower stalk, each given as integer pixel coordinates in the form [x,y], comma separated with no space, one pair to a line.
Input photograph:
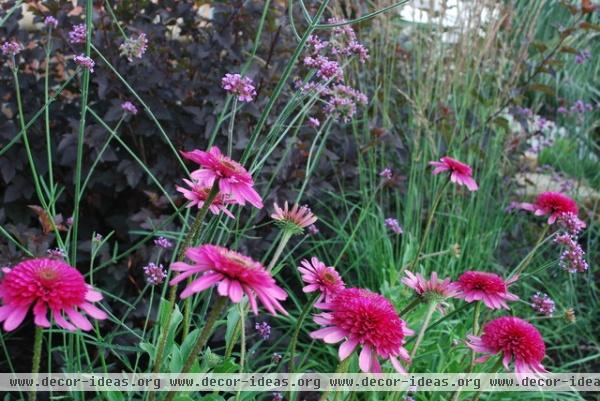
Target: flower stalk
[37,356]
[299,323]
[430,309]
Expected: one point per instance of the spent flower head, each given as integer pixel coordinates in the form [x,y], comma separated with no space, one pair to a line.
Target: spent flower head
[134,47]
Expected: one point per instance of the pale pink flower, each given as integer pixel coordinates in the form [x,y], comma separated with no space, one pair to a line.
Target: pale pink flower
[364,318]
[553,203]
[483,286]
[460,173]
[234,180]
[515,339]
[234,275]
[197,194]
[433,287]
[321,278]
[47,284]
[295,219]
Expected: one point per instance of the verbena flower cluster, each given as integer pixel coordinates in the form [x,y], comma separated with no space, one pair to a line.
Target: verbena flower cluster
[240,87]
[134,47]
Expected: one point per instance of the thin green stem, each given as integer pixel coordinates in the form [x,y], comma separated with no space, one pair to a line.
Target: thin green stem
[342,368]
[434,207]
[37,357]
[47,110]
[297,328]
[231,125]
[430,309]
[285,238]
[527,260]
[411,305]
[211,319]
[173,290]
[85,84]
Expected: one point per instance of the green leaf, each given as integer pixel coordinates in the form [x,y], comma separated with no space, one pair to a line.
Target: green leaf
[176,362]
[114,396]
[227,366]
[149,349]
[233,317]
[189,341]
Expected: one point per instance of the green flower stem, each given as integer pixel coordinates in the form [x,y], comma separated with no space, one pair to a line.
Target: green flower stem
[37,356]
[285,238]
[342,368]
[211,319]
[434,207]
[411,305]
[231,125]
[299,323]
[476,313]
[430,309]
[85,85]
[527,260]
[173,290]
[47,112]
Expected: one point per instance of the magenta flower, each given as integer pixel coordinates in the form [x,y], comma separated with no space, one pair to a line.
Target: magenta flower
[234,275]
[84,62]
[241,87]
[552,203]
[78,34]
[460,173]
[364,318]
[515,339]
[321,278]
[198,193]
[234,179]
[47,284]
[483,286]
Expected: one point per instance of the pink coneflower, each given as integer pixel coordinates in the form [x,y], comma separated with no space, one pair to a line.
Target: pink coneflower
[515,339]
[84,62]
[241,87]
[78,34]
[234,180]
[295,219]
[321,278]
[552,203]
[483,286]
[198,193]
[433,288]
[233,273]
[364,318]
[460,173]
[47,284]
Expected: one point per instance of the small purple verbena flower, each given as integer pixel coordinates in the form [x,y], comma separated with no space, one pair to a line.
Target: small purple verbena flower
[316,44]
[571,223]
[572,259]
[264,330]
[342,101]
[84,62]
[57,253]
[314,122]
[326,68]
[542,123]
[277,396]
[239,86]
[393,225]
[130,108]
[543,304]
[164,243]
[78,33]
[581,107]
[154,274]
[524,112]
[583,56]
[386,173]
[50,21]
[134,47]
[69,221]
[11,48]
[313,230]
[562,110]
